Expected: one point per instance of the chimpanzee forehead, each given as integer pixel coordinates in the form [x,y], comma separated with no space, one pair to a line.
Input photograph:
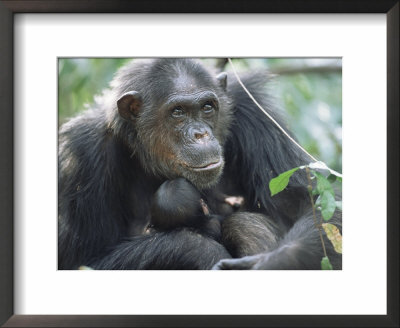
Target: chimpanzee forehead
[184,83]
[180,77]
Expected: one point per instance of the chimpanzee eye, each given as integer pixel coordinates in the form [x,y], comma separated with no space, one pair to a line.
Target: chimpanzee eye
[178,112]
[208,108]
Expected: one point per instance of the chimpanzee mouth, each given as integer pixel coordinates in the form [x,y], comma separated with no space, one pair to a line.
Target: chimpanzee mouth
[207,167]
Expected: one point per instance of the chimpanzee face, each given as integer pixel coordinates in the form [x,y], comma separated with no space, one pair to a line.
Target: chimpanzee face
[178,125]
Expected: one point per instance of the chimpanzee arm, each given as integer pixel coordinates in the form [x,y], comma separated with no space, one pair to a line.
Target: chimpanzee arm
[300,249]
[174,250]
[245,233]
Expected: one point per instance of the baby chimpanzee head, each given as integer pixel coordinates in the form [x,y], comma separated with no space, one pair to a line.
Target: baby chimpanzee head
[177,203]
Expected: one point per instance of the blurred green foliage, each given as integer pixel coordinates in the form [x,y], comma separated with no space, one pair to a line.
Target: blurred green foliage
[80,80]
[308,89]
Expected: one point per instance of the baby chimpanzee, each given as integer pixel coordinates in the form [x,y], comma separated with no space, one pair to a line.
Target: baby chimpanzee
[177,203]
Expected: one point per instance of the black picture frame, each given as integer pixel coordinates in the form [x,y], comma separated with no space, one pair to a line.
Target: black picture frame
[7,11]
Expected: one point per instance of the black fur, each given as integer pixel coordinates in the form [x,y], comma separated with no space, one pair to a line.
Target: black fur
[177,203]
[110,167]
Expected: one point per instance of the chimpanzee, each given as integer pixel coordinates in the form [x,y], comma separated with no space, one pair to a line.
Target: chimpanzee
[170,118]
[177,203]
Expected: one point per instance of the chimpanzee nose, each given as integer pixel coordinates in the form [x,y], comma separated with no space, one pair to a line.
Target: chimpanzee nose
[200,135]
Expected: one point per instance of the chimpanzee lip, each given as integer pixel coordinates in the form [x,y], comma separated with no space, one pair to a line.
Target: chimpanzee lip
[207,167]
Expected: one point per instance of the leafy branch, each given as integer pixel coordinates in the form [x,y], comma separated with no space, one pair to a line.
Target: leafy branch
[325,202]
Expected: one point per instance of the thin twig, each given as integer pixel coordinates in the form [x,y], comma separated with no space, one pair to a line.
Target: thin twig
[317,226]
[266,113]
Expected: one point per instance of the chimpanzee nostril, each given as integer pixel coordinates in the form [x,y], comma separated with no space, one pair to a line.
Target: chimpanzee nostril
[201,135]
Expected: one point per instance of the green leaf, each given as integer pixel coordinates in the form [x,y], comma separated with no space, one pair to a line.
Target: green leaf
[328,205]
[339,204]
[326,264]
[333,234]
[276,185]
[323,185]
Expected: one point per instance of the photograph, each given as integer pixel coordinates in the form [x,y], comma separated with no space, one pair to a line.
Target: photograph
[198,163]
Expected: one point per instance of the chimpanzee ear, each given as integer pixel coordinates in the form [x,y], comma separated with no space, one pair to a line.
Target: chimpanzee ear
[129,105]
[222,77]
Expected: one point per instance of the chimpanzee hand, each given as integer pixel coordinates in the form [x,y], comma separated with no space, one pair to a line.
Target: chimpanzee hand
[286,257]
[244,263]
